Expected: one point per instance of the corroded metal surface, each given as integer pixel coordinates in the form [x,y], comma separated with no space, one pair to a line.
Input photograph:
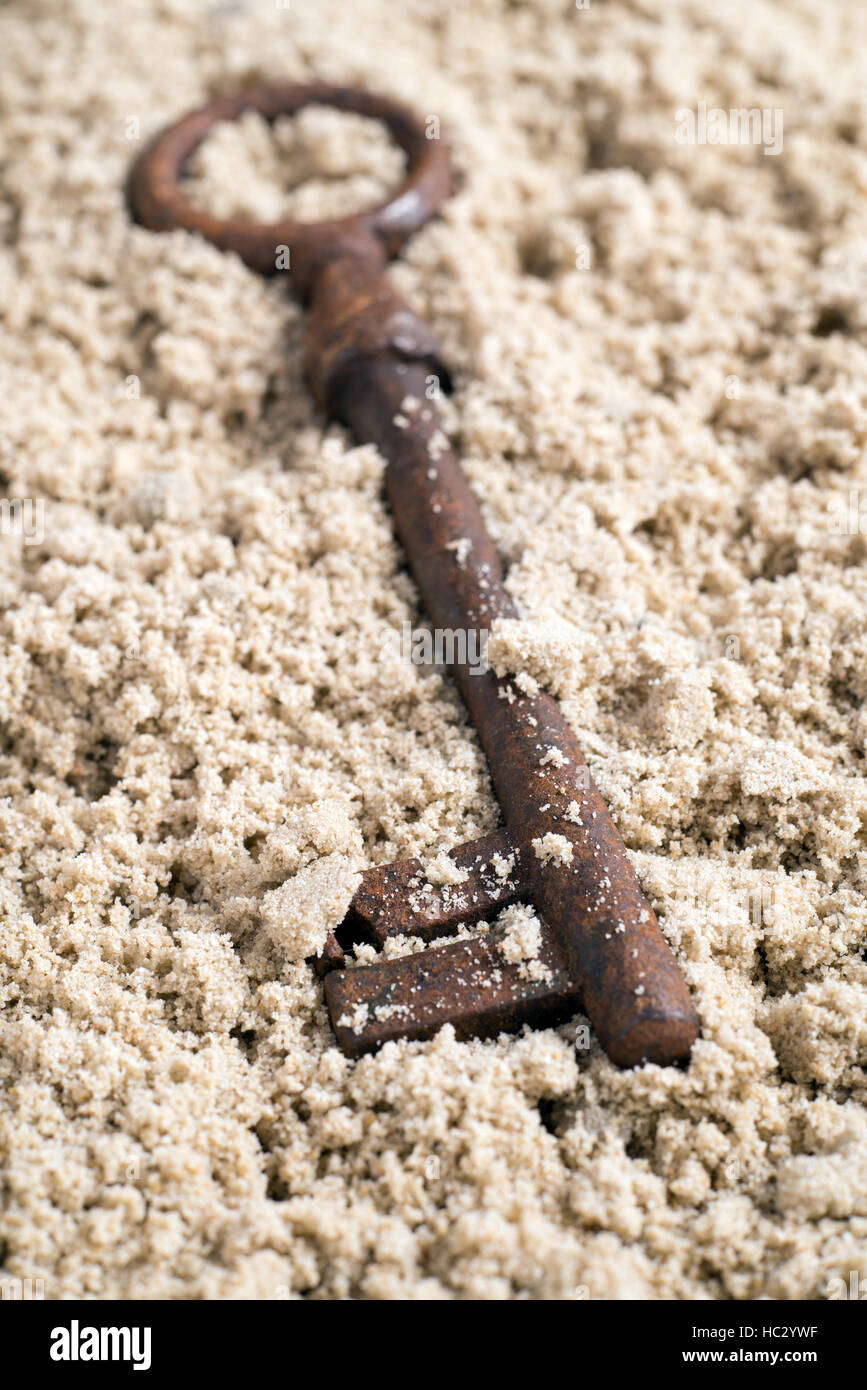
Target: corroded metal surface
[159,202]
[398,900]
[372,362]
[356,316]
[468,984]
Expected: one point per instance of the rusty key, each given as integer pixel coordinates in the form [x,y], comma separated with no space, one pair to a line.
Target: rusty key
[372,363]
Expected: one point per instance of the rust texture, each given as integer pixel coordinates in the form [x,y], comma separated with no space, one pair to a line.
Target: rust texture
[466,983]
[159,202]
[366,352]
[397,901]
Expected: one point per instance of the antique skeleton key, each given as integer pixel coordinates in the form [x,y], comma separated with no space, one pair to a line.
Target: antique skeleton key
[371,361]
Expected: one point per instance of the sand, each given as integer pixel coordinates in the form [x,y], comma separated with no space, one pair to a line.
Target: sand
[660,353]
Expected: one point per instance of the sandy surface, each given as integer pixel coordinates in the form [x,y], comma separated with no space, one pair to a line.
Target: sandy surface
[205,732]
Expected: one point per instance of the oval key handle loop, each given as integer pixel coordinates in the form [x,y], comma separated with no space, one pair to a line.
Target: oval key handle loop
[158,202]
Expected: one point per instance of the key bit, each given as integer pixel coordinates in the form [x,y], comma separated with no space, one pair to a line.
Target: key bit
[468,984]
[398,900]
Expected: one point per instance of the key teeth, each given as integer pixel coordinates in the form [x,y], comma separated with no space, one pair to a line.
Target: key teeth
[384,904]
[393,902]
[467,984]
[471,986]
